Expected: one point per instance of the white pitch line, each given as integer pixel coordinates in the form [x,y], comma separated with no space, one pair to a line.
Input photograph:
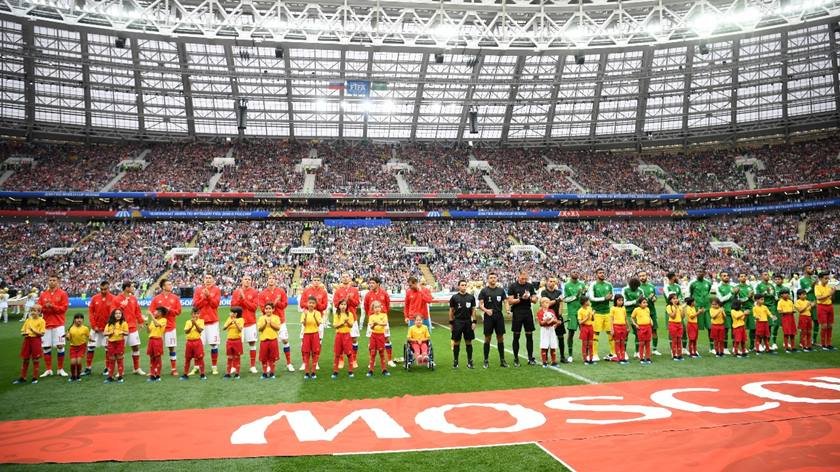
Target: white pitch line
[558,369]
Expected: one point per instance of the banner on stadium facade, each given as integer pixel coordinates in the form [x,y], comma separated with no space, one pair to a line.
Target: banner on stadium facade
[358,88]
[631,248]
[358,223]
[181,251]
[417,249]
[811,205]
[726,245]
[302,250]
[519,248]
[204,214]
[56,251]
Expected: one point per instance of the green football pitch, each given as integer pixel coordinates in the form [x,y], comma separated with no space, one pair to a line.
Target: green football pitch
[54,397]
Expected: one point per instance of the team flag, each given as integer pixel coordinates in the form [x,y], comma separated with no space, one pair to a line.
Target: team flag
[336,85]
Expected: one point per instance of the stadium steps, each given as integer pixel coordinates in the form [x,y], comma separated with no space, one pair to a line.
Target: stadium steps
[306,237]
[402,184]
[750,175]
[802,229]
[112,182]
[308,183]
[578,186]
[427,275]
[513,240]
[214,180]
[491,183]
[5,176]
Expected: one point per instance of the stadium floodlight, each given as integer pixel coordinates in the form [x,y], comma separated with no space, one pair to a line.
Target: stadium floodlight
[321,104]
[704,24]
[366,106]
[747,17]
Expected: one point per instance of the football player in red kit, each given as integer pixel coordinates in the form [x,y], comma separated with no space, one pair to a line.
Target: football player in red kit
[247,298]
[172,303]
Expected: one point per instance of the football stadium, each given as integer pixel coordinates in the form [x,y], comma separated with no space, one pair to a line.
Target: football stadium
[433,234]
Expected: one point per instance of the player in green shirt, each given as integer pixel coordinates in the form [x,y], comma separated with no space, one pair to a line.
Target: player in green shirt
[806,282]
[726,292]
[649,291]
[572,291]
[778,286]
[745,296]
[600,293]
[768,290]
[632,294]
[699,289]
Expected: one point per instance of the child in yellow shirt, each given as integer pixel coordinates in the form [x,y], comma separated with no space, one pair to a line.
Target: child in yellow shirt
[77,336]
[803,306]
[618,315]
[310,321]
[268,327]
[718,330]
[116,330]
[762,328]
[377,322]
[194,350]
[785,309]
[233,347]
[586,317]
[343,321]
[691,323]
[644,329]
[418,339]
[157,327]
[32,330]
[739,333]
[675,326]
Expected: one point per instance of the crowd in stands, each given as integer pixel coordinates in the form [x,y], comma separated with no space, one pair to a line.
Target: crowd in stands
[264,166]
[114,251]
[232,249]
[269,165]
[74,167]
[173,168]
[356,168]
[459,249]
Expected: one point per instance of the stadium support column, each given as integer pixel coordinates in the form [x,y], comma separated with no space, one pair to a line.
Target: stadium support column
[185,81]
[234,83]
[596,103]
[342,72]
[835,68]
[644,88]
[555,91]
[418,97]
[287,63]
[477,65]
[138,88]
[83,45]
[28,30]
[514,89]
[689,65]
[369,72]
[783,37]
[733,97]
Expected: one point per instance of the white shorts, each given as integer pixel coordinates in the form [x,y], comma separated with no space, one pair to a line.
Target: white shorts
[170,338]
[133,339]
[354,331]
[53,337]
[97,339]
[548,338]
[249,334]
[284,333]
[210,335]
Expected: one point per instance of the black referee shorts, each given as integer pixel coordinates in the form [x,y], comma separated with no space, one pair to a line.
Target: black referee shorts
[523,320]
[462,329]
[494,323]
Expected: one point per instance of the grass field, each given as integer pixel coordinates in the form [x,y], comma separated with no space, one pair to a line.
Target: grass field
[56,398]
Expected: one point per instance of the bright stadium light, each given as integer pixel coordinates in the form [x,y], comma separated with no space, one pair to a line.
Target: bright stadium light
[321,105]
[704,24]
[388,106]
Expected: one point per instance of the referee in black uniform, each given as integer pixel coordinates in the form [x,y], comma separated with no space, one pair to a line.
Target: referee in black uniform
[462,319]
[521,295]
[490,301]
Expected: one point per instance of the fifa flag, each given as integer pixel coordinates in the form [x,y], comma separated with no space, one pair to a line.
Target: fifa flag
[359,88]
[336,85]
[379,86]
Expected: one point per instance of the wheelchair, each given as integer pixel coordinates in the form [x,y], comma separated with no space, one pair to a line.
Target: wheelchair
[409,360]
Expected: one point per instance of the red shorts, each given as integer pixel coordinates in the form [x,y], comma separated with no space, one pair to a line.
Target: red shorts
[233,347]
[692,331]
[644,333]
[619,332]
[788,324]
[115,348]
[805,322]
[825,314]
[31,348]
[77,352]
[762,329]
[718,332]
[587,333]
[155,347]
[675,329]
[311,343]
[194,349]
[269,351]
[377,342]
[739,334]
[343,344]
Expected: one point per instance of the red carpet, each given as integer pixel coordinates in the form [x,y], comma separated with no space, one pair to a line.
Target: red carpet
[743,425]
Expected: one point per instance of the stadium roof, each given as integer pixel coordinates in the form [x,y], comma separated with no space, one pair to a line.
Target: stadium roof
[577,73]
